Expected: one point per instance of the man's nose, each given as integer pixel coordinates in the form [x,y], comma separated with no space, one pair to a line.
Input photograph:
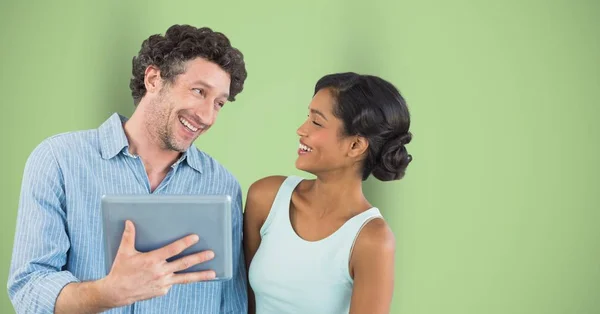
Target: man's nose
[206,113]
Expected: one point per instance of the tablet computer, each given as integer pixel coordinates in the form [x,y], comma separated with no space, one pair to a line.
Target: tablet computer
[163,219]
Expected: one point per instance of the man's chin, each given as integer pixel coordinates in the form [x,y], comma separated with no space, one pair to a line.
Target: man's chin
[180,148]
[183,149]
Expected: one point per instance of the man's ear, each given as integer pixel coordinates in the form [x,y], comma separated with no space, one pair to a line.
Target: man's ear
[358,146]
[152,79]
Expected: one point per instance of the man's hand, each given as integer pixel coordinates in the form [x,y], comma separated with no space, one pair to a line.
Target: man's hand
[137,276]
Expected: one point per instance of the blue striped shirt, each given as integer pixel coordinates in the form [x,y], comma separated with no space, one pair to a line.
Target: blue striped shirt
[58,236]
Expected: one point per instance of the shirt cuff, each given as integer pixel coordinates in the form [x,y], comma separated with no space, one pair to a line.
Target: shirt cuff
[50,286]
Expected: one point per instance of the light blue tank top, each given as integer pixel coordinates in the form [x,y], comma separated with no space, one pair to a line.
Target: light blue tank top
[291,275]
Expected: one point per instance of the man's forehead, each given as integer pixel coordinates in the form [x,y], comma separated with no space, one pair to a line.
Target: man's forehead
[209,74]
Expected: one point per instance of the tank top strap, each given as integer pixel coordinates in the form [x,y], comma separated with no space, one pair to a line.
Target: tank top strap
[281,204]
[350,232]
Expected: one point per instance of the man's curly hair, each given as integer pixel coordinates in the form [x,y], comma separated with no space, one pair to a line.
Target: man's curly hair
[182,43]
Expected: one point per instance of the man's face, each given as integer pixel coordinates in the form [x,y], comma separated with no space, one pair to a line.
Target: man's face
[182,110]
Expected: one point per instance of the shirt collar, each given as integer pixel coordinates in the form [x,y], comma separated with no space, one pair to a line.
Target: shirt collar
[112,136]
[113,141]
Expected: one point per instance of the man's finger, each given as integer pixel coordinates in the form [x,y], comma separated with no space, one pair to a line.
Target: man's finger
[193,277]
[128,238]
[176,247]
[190,260]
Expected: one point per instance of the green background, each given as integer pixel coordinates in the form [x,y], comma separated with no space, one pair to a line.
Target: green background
[498,213]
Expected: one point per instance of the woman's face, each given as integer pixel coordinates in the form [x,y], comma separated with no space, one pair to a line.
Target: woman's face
[322,147]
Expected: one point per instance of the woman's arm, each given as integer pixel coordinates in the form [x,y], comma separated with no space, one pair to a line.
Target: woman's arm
[261,195]
[372,267]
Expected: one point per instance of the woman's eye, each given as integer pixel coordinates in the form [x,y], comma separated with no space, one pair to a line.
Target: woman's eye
[315,123]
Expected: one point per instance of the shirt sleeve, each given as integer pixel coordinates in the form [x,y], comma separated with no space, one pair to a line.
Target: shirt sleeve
[36,274]
[234,298]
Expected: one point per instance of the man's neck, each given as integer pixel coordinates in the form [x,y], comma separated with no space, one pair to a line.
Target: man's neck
[146,145]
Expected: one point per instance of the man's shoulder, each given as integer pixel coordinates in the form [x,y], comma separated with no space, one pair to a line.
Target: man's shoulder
[60,150]
[71,142]
[213,167]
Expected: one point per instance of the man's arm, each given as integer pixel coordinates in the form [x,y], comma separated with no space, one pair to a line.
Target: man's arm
[37,280]
[234,298]
[82,297]
[134,276]
[372,266]
[41,242]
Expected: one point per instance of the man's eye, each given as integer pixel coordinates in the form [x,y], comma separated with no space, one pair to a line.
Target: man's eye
[199,91]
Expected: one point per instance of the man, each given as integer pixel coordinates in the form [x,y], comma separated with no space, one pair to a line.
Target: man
[180,82]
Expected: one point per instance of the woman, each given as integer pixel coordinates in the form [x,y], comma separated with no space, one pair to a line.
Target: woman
[318,246]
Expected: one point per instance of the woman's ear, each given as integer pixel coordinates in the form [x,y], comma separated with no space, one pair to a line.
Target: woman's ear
[358,146]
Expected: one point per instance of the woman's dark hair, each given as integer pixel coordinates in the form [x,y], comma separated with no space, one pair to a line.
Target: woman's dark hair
[374,109]
[182,43]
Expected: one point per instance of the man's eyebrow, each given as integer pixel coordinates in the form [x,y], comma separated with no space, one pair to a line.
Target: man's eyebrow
[203,83]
